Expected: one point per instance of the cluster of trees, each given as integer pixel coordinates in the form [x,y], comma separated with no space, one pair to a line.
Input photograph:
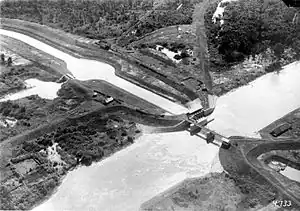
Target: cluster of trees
[32,146]
[10,78]
[98,19]
[11,109]
[12,71]
[251,27]
[4,62]
[81,141]
[5,199]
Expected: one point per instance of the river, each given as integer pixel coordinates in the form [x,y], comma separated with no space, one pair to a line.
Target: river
[158,161]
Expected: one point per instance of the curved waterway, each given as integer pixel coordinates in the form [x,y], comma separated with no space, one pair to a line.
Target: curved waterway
[291,173]
[158,161]
[46,90]
[84,69]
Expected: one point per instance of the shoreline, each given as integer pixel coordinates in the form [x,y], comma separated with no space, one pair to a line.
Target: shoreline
[162,200]
[87,50]
[74,168]
[259,77]
[120,150]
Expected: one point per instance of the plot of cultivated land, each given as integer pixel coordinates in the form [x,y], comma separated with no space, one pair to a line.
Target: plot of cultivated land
[34,55]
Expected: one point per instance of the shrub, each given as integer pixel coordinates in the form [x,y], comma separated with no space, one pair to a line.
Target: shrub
[275,66]
[86,159]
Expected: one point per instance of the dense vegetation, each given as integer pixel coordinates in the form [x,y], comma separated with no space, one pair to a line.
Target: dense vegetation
[7,62]
[87,142]
[8,108]
[250,28]
[99,19]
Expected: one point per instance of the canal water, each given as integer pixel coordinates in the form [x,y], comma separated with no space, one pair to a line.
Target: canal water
[46,90]
[291,173]
[158,161]
[84,69]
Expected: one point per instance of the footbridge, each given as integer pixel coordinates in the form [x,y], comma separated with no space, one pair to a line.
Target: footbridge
[195,123]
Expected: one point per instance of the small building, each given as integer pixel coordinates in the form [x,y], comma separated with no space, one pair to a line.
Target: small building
[104,45]
[194,130]
[225,145]
[108,100]
[95,94]
[279,130]
[210,137]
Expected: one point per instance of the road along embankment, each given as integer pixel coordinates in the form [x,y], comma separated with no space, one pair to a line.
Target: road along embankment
[288,187]
[242,164]
[280,159]
[48,62]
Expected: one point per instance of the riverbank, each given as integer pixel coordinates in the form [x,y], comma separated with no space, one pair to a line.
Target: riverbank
[125,65]
[107,74]
[198,140]
[49,63]
[292,156]
[244,185]
[31,167]
[18,76]
[224,81]
[26,173]
[247,194]
[24,167]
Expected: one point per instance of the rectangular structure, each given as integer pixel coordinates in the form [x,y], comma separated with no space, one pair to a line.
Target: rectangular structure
[195,129]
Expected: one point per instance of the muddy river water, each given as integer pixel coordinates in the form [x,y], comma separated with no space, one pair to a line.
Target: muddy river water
[158,161]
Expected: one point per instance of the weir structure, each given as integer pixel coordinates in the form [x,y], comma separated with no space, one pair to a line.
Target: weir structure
[195,123]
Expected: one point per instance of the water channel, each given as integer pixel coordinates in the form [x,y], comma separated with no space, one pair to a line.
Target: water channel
[84,69]
[158,161]
[291,173]
[46,90]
